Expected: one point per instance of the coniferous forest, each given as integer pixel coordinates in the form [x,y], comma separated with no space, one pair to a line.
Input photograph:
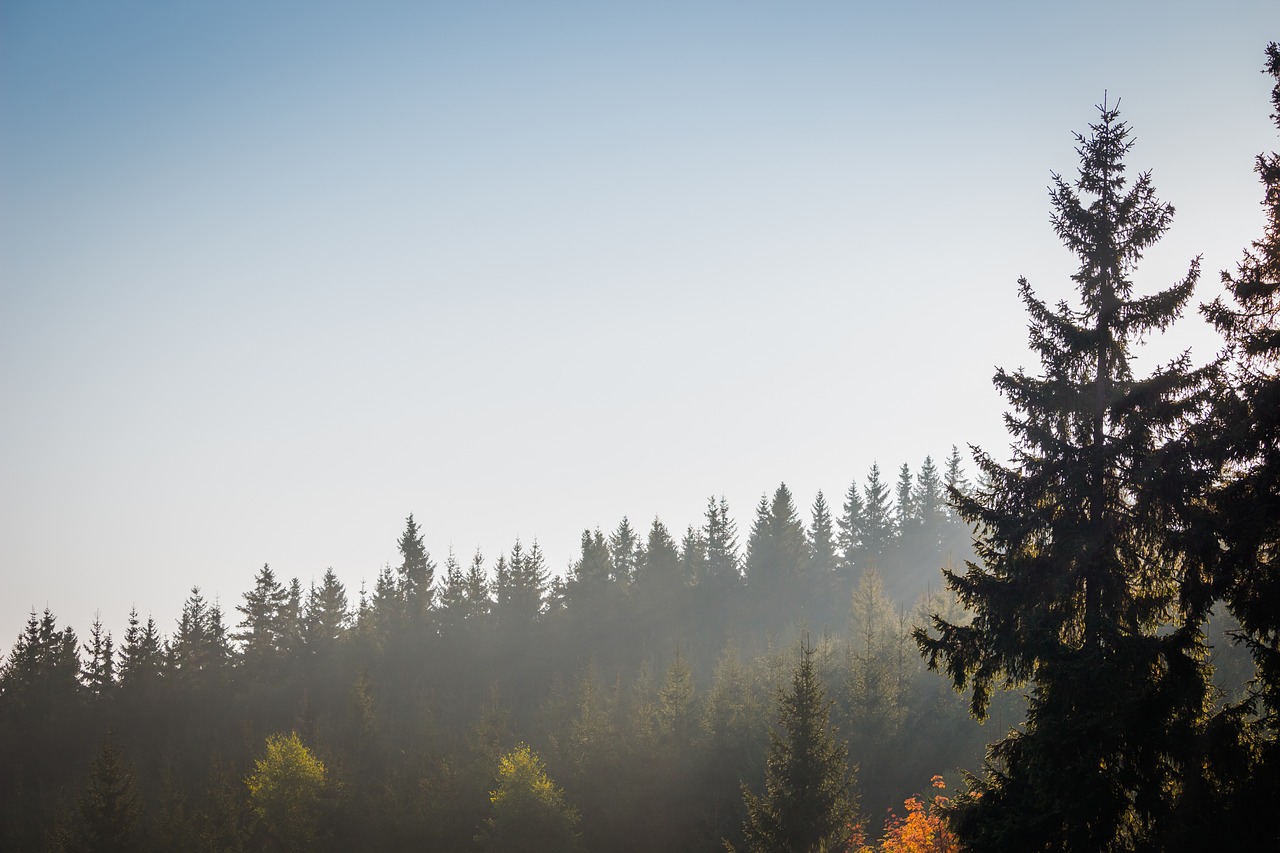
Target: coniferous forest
[1074,648]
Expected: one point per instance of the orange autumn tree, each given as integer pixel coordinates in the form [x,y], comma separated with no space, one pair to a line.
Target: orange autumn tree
[922,829]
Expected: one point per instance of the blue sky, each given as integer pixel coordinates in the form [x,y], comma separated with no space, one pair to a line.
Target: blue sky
[273,276]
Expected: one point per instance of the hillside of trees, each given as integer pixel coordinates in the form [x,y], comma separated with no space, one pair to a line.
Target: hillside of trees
[1107,601]
[645,681]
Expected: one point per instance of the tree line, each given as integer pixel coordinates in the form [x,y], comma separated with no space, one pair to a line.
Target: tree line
[643,681]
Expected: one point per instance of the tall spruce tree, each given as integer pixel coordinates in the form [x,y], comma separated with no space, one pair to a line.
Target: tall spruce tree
[416,571]
[849,538]
[724,570]
[1080,543]
[808,804]
[877,532]
[1245,433]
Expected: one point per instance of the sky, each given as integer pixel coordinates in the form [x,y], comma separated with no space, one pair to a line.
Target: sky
[274,276]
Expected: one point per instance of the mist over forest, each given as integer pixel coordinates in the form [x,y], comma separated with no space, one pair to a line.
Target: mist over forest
[1073,645]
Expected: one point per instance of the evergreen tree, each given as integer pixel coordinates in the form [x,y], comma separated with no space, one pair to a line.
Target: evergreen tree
[930,503]
[850,524]
[111,808]
[822,544]
[476,589]
[327,614]
[905,519]
[659,579]
[777,554]
[520,585]
[808,805]
[42,672]
[724,572]
[877,533]
[1244,437]
[140,658]
[1080,538]
[452,596]
[416,572]
[957,539]
[100,671]
[200,651]
[693,556]
[624,552]
[593,569]
[677,709]
[262,635]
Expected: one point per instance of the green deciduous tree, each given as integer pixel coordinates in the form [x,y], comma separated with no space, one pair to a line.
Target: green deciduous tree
[285,790]
[528,811]
[1081,547]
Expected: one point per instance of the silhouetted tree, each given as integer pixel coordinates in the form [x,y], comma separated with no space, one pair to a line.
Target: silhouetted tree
[808,805]
[1077,592]
[1244,437]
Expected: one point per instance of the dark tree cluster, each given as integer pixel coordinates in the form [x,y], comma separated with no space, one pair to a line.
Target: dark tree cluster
[1136,510]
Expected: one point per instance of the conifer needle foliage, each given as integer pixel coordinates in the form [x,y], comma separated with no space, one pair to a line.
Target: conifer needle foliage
[1082,546]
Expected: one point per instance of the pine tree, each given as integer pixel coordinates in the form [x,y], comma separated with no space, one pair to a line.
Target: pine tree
[327,614]
[1079,537]
[476,589]
[624,552]
[958,537]
[850,524]
[416,572]
[724,570]
[659,579]
[100,671]
[520,585]
[877,534]
[905,517]
[808,805]
[140,658]
[111,809]
[1244,437]
[594,568]
[777,554]
[822,544]
[262,635]
[200,652]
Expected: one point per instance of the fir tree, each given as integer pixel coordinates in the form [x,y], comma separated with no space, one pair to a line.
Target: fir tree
[877,533]
[110,809]
[822,545]
[1077,592]
[327,614]
[724,571]
[1244,438]
[905,518]
[100,670]
[808,805]
[416,572]
[777,552]
[140,657]
[624,552]
[262,635]
[850,525]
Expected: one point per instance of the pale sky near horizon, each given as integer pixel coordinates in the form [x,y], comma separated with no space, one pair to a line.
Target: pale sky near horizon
[275,275]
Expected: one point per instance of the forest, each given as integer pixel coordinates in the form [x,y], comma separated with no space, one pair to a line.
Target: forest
[1077,648]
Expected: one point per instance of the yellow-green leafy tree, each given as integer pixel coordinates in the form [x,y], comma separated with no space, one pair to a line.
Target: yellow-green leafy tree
[529,813]
[286,789]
